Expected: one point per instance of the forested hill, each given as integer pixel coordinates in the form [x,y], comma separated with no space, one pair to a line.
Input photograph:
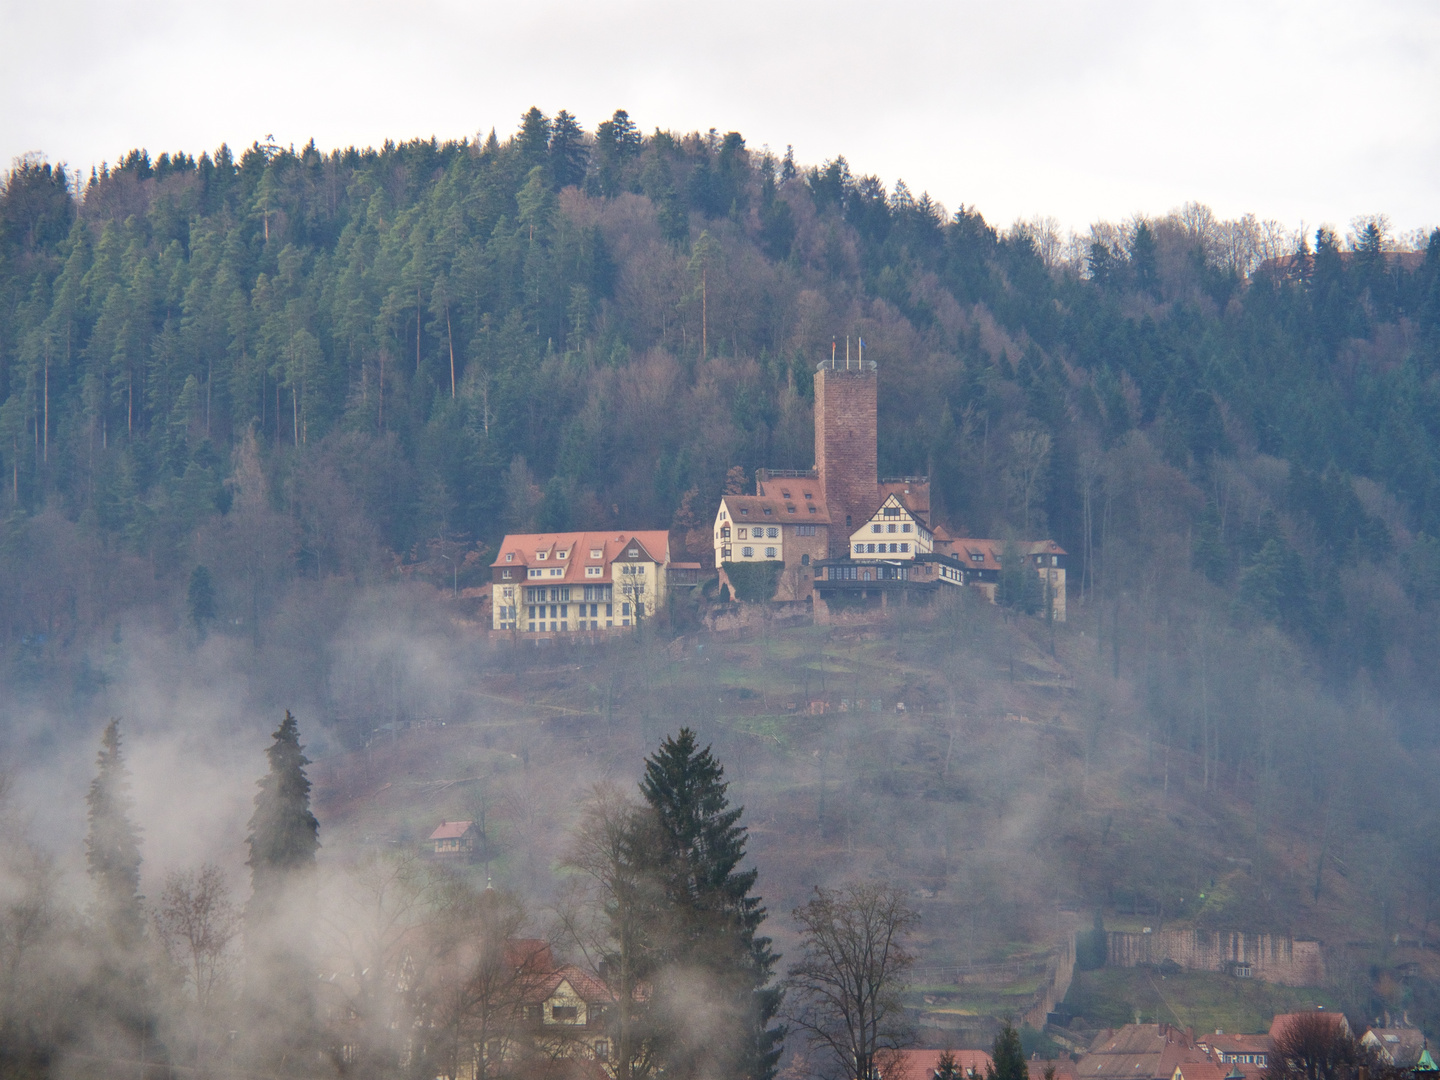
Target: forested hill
[439,342]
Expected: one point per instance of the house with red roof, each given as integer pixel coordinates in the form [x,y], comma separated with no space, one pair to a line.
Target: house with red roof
[454,839]
[566,583]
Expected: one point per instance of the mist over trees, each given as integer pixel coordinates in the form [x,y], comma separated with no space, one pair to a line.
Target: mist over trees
[243,394]
[391,964]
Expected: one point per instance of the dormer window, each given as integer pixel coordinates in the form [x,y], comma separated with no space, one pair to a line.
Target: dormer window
[745,510]
[767,510]
[808,495]
[542,556]
[561,554]
[596,553]
[632,553]
[789,509]
[813,510]
[509,556]
[784,494]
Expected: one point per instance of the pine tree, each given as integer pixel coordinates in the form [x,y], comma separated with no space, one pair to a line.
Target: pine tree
[284,834]
[715,916]
[1007,1059]
[112,848]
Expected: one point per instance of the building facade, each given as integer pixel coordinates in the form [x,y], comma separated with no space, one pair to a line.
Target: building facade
[561,583]
[842,531]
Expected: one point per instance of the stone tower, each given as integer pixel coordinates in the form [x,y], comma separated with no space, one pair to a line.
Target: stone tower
[845,445]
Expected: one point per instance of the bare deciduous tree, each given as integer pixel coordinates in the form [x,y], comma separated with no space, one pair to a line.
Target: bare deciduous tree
[844,993]
[198,923]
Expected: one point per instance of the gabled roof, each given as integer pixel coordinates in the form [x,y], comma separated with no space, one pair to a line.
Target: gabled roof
[588,988]
[451,830]
[914,495]
[1399,1046]
[570,552]
[1139,1052]
[750,509]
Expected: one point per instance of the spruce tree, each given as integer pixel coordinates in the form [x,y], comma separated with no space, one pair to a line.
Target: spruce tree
[715,918]
[1007,1058]
[284,834]
[112,846]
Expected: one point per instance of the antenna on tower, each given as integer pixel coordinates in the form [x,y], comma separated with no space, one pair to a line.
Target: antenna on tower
[847,352]
[861,340]
[832,352]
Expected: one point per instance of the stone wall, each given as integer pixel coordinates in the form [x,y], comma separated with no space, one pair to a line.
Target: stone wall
[1271,957]
[846,454]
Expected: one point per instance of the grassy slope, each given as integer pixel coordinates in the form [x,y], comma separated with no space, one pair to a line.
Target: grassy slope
[1012,790]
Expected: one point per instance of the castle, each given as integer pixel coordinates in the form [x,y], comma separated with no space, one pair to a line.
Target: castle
[841,533]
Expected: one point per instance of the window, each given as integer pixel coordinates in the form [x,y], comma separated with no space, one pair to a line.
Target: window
[859,549]
[743,533]
[813,510]
[542,556]
[890,527]
[904,548]
[593,571]
[877,528]
[564,1014]
[769,553]
[535,572]
[804,560]
[789,509]
[804,530]
[745,511]
[625,609]
[596,553]
[1054,560]
[609,611]
[506,575]
[905,527]
[602,1049]
[558,571]
[869,549]
[768,511]
[725,533]
[561,554]
[747,553]
[892,511]
[597,592]
[772,532]
[784,494]
[509,556]
[808,495]
[724,553]
[975,556]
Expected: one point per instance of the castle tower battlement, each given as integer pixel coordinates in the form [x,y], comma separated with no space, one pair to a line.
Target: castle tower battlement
[846,454]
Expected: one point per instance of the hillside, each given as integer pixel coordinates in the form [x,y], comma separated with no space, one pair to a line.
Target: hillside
[259,412]
[1016,794]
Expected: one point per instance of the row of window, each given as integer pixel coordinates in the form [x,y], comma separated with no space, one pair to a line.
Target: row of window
[867,573]
[749,553]
[870,549]
[560,594]
[877,527]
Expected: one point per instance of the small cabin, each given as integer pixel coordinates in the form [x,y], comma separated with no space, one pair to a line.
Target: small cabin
[454,839]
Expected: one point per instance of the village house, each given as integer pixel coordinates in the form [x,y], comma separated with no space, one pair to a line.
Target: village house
[454,839]
[565,583]
[1400,1046]
[841,533]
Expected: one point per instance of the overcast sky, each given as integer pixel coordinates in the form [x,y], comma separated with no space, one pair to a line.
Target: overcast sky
[1311,112]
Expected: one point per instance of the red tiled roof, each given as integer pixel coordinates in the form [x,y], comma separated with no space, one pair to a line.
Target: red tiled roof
[921,1064]
[964,548]
[529,954]
[589,988]
[1064,1070]
[570,552]
[451,830]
